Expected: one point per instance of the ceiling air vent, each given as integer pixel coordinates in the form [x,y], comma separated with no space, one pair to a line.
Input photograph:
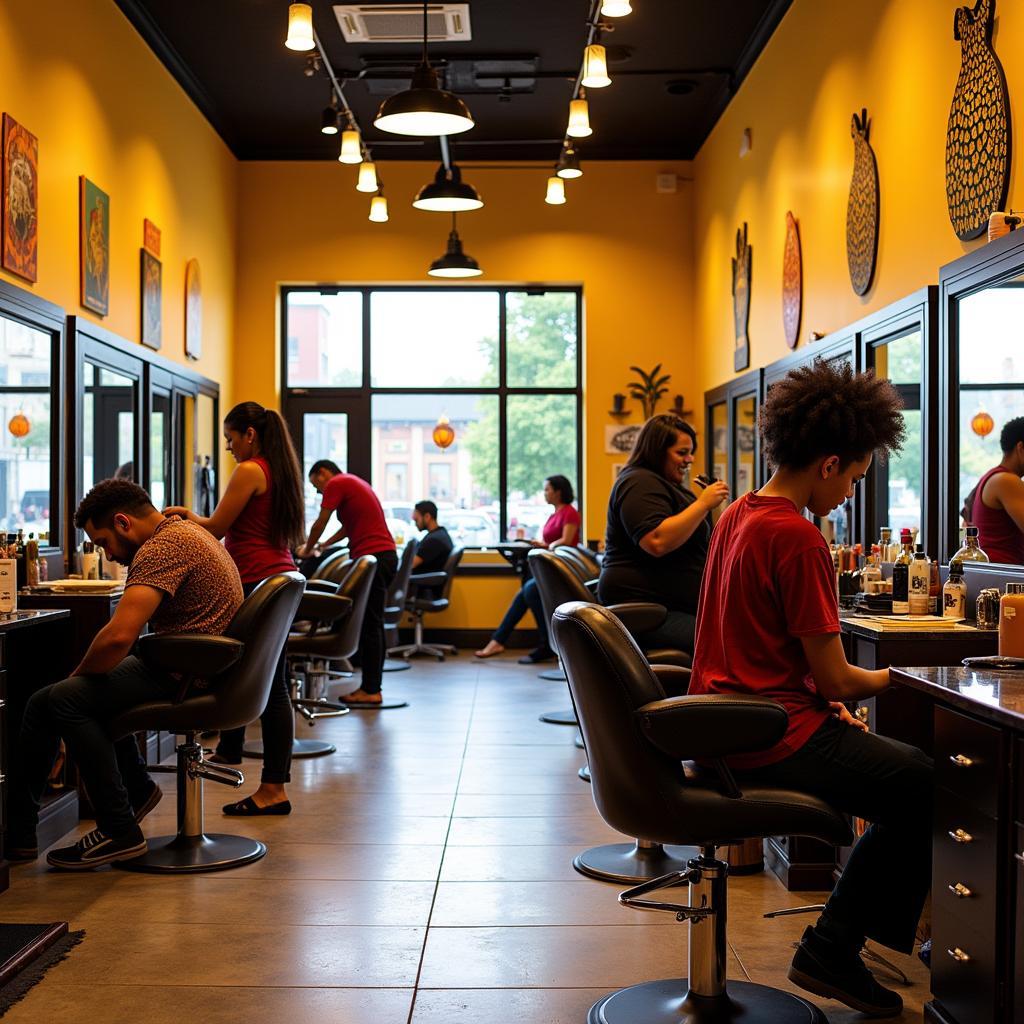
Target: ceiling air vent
[403,23]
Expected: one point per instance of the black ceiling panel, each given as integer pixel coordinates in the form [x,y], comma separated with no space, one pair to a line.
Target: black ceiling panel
[230,58]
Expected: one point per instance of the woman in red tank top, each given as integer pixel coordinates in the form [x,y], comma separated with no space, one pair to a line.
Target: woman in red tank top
[260,517]
[998,507]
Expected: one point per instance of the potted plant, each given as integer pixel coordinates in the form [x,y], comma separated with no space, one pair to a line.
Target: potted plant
[649,389]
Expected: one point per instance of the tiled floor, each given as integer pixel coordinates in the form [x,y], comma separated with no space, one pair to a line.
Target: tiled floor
[425,877]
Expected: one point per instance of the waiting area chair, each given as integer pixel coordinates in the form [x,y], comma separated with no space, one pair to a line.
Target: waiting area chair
[394,609]
[225,684]
[429,592]
[637,739]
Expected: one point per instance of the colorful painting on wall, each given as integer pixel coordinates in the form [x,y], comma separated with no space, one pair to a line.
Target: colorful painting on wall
[94,246]
[152,300]
[21,200]
[151,238]
[193,311]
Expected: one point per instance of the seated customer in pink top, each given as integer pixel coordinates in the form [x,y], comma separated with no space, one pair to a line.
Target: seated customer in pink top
[561,529]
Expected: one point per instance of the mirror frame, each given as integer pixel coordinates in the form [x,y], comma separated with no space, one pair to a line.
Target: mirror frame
[749,385]
[991,264]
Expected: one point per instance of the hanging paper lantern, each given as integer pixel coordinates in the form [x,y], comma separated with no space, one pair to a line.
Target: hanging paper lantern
[19,425]
[982,423]
[444,434]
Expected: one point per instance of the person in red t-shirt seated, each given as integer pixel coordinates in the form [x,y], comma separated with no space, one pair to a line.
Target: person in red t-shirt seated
[362,521]
[768,625]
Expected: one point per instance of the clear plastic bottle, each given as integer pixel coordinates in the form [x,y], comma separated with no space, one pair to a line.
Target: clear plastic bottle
[971,551]
[885,544]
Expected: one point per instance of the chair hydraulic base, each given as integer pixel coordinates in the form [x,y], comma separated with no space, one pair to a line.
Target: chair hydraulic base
[300,748]
[560,717]
[578,742]
[192,849]
[396,665]
[554,675]
[632,862]
[418,646]
[584,773]
[669,1002]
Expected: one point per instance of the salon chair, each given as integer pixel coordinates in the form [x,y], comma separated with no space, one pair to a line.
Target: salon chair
[637,740]
[395,606]
[424,599]
[225,682]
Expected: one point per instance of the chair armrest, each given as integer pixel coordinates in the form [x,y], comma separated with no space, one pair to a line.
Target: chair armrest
[668,656]
[321,607]
[591,585]
[321,586]
[674,679]
[190,654]
[428,579]
[712,726]
[639,616]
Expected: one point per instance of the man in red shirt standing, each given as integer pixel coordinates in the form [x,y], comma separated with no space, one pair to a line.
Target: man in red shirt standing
[768,625]
[362,521]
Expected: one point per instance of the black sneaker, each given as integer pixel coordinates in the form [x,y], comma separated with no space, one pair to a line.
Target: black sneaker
[95,848]
[820,968]
[153,796]
[537,654]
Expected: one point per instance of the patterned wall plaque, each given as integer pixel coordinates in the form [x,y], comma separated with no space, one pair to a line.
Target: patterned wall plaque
[741,299]
[978,133]
[792,282]
[862,208]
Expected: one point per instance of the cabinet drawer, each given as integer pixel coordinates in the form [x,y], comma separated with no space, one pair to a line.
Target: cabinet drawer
[970,860]
[968,756]
[964,971]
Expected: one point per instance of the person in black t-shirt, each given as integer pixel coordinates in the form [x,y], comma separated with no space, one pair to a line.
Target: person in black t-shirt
[436,546]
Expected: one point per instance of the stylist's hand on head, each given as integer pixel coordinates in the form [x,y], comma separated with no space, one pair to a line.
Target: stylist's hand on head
[178,510]
[713,495]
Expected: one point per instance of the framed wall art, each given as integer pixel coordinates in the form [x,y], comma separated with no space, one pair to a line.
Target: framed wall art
[792,282]
[193,311]
[741,264]
[94,246]
[21,200]
[152,300]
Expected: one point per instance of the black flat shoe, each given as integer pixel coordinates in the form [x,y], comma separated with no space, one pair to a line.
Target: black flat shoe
[536,655]
[216,758]
[248,808]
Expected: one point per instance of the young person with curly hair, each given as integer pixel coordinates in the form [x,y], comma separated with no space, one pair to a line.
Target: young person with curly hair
[768,625]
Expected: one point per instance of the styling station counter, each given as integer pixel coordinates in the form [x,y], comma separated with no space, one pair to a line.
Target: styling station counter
[977,841]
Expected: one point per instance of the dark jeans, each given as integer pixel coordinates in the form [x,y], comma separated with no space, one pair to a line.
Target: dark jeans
[885,883]
[527,598]
[372,645]
[677,631]
[277,723]
[77,709]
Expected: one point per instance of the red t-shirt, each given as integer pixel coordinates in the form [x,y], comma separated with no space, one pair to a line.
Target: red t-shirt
[360,513]
[769,580]
[555,526]
[248,538]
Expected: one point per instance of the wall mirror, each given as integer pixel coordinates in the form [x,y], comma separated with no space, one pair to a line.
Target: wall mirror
[109,422]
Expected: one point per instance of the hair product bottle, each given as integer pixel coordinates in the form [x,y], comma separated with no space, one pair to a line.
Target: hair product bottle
[901,576]
[954,593]
[920,579]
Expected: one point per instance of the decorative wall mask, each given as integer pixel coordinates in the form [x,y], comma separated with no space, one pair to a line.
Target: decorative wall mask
[978,133]
[862,208]
[21,200]
[741,299]
[792,282]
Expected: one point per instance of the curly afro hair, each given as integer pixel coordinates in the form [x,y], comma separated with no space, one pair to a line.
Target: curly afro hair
[108,498]
[825,409]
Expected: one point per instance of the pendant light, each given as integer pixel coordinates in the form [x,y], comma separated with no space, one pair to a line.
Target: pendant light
[351,147]
[579,118]
[616,8]
[300,27]
[454,262]
[556,191]
[595,67]
[424,108]
[379,209]
[448,193]
[329,119]
[569,164]
[367,177]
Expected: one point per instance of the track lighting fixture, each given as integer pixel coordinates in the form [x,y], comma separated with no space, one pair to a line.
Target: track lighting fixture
[448,193]
[300,27]
[595,67]
[579,118]
[616,8]
[379,209]
[424,108]
[351,147]
[569,164]
[454,262]
[367,181]
[556,191]
[329,119]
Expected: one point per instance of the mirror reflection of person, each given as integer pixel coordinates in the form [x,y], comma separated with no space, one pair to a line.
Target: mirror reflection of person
[435,547]
[996,505]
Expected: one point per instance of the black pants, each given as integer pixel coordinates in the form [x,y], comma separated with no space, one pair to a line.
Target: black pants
[277,723]
[885,883]
[78,709]
[372,645]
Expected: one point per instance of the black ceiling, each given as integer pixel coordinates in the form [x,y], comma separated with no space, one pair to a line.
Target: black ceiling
[229,56]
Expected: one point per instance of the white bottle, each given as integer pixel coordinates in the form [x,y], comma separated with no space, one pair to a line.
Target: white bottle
[90,562]
[954,593]
[920,583]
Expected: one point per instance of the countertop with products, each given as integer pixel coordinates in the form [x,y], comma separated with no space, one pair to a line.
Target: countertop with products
[994,695]
[30,617]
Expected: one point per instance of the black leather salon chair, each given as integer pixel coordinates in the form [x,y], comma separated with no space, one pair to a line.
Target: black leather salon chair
[236,671]
[637,740]
[589,566]
[395,606]
[429,592]
[330,568]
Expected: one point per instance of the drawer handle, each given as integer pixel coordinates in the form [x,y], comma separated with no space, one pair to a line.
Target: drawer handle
[960,836]
[961,760]
[960,890]
[958,955]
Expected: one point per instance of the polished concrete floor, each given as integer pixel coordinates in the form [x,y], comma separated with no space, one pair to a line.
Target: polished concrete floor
[424,877]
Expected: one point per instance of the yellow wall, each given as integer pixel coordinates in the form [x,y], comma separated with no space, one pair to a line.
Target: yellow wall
[79,77]
[898,58]
[628,246]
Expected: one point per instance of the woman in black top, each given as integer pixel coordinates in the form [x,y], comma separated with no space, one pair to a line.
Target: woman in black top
[658,531]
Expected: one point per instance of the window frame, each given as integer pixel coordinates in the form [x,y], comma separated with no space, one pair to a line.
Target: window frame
[301,399]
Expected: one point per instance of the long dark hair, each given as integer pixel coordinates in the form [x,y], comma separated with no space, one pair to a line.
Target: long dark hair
[561,484]
[287,507]
[656,436]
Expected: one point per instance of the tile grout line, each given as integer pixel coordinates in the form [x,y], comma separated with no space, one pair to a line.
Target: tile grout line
[440,865]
